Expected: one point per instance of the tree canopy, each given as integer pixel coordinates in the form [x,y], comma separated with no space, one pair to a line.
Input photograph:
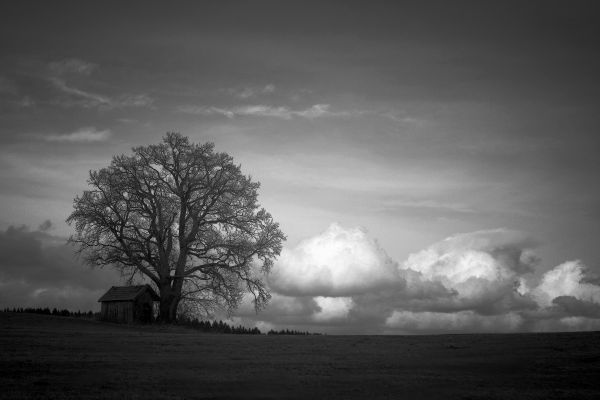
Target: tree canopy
[183,216]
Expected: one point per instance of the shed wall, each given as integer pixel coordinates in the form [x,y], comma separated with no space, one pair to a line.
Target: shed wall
[117,311]
[140,310]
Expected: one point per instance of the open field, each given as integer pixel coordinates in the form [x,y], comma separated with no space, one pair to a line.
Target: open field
[53,357]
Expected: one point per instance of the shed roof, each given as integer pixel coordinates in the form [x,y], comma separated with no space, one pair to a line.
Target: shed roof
[127,293]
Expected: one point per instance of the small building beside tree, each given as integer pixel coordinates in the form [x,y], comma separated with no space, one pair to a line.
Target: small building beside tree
[128,304]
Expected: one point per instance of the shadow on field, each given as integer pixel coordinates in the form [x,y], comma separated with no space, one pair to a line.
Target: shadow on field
[63,358]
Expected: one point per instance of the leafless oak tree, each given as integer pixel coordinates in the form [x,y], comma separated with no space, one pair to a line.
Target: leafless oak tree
[185,217]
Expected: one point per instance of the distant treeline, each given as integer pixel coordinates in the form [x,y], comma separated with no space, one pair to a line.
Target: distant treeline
[289,332]
[54,311]
[202,326]
[224,327]
[218,327]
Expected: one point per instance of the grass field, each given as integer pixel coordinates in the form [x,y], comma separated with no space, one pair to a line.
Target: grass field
[55,357]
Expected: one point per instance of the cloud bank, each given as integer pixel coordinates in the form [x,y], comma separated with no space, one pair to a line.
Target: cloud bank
[38,269]
[341,280]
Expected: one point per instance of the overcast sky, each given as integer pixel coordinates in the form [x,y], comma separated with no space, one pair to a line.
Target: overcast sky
[434,164]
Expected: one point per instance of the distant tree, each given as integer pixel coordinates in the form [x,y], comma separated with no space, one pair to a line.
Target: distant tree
[183,216]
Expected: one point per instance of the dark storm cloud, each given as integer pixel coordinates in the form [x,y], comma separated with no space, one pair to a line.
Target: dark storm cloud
[39,269]
[571,305]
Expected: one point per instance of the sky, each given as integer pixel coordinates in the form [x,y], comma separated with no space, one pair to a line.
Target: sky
[433,164]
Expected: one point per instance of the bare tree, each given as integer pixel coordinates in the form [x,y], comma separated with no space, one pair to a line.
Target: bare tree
[185,217]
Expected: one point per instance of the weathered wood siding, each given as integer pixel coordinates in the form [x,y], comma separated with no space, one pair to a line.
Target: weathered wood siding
[140,310]
[118,311]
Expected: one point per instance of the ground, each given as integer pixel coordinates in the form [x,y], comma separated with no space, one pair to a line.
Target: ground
[56,357]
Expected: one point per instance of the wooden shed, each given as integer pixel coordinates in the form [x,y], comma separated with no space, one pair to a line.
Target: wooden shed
[128,304]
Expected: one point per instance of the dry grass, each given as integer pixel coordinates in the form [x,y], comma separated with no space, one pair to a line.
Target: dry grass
[53,357]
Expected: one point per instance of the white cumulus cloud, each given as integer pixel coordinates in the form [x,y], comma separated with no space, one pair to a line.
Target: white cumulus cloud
[337,262]
[482,268]
[566,279]
[341,280]
[332,308]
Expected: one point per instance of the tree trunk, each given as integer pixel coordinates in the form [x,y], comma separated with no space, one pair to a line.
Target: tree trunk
[168,305]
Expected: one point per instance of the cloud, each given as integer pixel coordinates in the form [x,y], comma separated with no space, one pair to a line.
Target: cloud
[321,110]
[46,226]
[82,135]
[567,279]
[133,100]
[248,92]
[72,66]
[270,88]
[86,99]
[332,308]
[482,268]
[280,305]
[26,102]
[341,281]
[572,306]
[337,262]
[60,72]
[315,111]
[354,283]
[38,270]
[260,111]
[462,321]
